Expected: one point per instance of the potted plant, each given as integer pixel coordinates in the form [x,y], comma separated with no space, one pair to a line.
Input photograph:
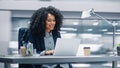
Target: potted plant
[118,49]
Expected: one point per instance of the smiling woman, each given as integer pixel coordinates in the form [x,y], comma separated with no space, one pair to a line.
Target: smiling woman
[43,32]
[50,22]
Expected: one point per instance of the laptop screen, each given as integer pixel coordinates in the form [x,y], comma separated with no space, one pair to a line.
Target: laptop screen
[66,47]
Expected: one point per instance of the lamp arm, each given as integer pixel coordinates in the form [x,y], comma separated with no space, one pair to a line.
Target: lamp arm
[114,29]
[102,18]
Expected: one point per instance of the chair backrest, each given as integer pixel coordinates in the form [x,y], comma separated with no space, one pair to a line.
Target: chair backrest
[22,36]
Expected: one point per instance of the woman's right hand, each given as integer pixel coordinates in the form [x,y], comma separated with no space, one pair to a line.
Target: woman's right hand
[49,52]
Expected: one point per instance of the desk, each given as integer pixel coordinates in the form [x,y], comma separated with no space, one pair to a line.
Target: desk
[57,59]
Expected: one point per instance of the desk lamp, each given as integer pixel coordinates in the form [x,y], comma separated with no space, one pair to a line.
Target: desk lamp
[88,13]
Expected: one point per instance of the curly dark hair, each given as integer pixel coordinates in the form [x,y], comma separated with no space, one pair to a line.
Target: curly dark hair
[38,20]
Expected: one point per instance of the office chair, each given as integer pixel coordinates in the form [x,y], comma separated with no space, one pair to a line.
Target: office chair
[22,36]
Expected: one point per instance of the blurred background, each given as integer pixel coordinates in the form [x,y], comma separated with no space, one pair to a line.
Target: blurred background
[92,31]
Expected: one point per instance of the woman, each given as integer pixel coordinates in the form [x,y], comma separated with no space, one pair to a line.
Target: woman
[43,32]
[45,24]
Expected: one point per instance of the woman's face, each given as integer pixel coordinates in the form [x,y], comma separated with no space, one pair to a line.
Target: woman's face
[50,22]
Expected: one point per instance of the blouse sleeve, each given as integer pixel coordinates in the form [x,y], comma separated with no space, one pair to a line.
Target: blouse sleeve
[42,53]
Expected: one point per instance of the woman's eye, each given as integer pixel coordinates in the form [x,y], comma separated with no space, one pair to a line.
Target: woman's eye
[51,20]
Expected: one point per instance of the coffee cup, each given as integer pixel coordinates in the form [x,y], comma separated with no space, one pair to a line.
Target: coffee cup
[86,51]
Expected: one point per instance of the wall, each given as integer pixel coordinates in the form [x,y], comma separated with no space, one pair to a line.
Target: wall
[99,6]
[5,32]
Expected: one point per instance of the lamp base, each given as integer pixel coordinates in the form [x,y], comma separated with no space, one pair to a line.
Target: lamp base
[112,53]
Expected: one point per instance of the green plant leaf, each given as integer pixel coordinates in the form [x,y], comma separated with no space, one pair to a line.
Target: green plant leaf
[118,45]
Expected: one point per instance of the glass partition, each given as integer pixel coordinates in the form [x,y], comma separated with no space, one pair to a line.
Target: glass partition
[16,24]
[94,33]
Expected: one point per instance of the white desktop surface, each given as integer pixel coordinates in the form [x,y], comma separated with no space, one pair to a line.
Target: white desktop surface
[57,59]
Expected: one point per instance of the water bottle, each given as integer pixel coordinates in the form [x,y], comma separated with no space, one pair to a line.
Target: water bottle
[29,49]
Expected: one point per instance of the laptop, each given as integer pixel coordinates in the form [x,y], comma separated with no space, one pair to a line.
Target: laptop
[66,47]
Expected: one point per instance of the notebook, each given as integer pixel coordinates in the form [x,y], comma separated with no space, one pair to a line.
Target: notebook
[66,47]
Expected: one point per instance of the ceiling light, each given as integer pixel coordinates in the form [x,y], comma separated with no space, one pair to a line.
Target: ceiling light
[75,23]
[90,35]
[104,30]
[111,33]
[89,29]
[95,24]
[118,30]
[71,29]
[63,32]
[68,35]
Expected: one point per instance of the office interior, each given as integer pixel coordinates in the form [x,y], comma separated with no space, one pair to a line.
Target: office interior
[93,32]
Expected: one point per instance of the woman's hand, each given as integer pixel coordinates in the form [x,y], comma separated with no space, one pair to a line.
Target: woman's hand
[49,52]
